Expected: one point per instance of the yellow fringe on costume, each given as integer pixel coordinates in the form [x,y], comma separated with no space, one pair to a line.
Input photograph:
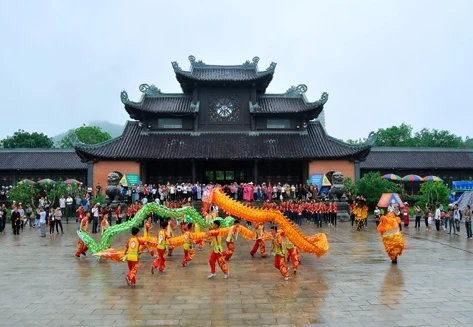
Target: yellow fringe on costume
[392,238]
[394,244]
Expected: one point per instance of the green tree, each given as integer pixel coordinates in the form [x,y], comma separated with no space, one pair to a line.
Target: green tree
[371,186]
[433,193]
[22,139]
[351,188]
[87,135]
[24,194]
[395,136]
[468,142]
[436,138]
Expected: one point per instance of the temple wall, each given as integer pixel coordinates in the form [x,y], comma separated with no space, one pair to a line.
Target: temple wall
[346,167]
[103,168]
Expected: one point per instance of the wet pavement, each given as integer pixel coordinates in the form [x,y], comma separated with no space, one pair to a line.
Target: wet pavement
[354,284]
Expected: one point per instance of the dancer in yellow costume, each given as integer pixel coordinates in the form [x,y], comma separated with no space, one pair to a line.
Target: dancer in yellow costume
[392,238]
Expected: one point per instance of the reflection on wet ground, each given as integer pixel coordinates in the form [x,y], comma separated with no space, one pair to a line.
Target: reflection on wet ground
[355,284]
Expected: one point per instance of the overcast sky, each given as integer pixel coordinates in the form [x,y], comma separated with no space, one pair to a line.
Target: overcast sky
[383,63]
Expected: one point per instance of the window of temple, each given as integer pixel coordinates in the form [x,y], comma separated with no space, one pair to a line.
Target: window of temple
[170,123]
[278,123]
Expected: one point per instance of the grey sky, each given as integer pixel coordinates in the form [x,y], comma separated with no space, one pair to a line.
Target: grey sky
[64,63]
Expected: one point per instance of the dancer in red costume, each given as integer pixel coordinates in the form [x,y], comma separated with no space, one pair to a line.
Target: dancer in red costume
[187,246]
[170,230]
[291,251]
[132,255]
[163,236]
[81,247]
[278,252]
[259,228]
[231,238]
[216,254]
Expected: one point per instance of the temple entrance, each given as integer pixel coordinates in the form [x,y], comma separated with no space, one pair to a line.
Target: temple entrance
[223,172]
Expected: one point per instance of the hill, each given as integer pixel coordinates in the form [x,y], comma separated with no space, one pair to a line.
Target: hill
[113,129]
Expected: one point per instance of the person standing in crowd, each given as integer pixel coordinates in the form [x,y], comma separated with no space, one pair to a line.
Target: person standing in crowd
[51,221]
[21,211]
[42,222]
[95,218]
[62,205]
[69,203]
[16,222]
[467,215]
[426,216]
[28,215]
[418,212]
[451,224]
[437,217]
[457,217]
[58,220]
[80,212]
[3,217]
[109,213]
[377,215]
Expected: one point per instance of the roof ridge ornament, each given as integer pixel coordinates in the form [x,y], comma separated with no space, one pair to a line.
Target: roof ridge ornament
[124,97]
[175,66]
[150,90]
[323,98]
[272,66]
[196,63]
[371,140]
[296,90]
[253,62]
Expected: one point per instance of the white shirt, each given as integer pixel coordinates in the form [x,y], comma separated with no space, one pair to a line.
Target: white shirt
[438,214]
[62,203]
[69,201]
[42,217]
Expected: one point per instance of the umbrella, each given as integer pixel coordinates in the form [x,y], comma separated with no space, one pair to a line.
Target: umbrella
[27,181]
[431,178]
[391,177]
[72,181]
[412,178]
[46,181]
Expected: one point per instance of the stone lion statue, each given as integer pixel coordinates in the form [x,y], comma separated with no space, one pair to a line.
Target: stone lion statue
[338,189]
[113,190]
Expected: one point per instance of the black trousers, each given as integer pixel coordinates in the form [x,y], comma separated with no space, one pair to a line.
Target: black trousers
[417,222]
[51,226]
[58,223]
[16,227]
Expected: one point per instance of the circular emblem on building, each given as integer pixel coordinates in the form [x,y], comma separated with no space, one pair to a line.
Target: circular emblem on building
[224,107]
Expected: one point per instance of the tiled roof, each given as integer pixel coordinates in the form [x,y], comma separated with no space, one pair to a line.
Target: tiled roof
[40,159]
[162,104]
[418,158]
[273,104]
[224,73]
[246,72]
[311,144]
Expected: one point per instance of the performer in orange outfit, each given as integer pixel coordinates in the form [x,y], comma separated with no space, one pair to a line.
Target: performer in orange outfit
[163,236]
[170,229]
[259,228]
[81,247]
[147,233]
[132,255]
[278,252]
[291,251]
[187,246]
[392,238]
[200,243]
[216,254]
[231,238]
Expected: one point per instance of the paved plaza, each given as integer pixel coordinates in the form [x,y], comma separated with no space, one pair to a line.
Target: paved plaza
[354,284]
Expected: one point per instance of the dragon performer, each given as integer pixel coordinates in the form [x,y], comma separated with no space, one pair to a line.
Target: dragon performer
[392,238]
[316,244]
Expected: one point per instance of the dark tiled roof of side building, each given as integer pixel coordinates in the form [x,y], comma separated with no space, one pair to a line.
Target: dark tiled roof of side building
[40,159]
[419,158]
[311,144]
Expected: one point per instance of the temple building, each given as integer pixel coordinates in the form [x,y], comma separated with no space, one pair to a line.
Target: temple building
[223,127]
